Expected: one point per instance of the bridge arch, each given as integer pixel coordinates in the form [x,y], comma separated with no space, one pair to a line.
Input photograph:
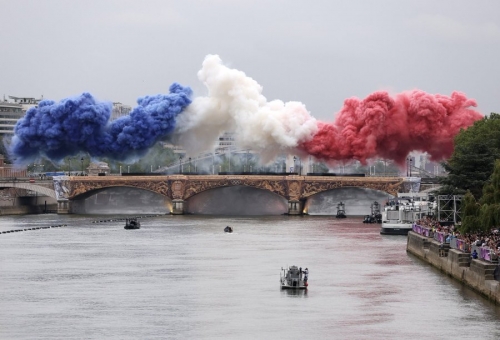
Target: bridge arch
[237,200]
[46,191]
[357,201]
[103,189]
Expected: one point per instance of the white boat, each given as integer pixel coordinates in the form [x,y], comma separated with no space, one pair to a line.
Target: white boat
[401,212]
[294,278]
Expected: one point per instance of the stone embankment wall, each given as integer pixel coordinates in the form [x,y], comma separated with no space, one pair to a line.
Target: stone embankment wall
[475,273]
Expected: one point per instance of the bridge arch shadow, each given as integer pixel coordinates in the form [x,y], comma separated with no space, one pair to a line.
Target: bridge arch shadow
[236,200]
[121,200]
[357,201]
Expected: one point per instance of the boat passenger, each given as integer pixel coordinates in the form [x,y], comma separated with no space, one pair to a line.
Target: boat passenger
[306,274]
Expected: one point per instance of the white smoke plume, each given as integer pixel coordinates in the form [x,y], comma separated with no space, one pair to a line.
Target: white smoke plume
[235,104]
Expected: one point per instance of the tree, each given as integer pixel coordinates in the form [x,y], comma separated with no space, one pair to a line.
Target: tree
[471,163]
[485,214]
[470,214]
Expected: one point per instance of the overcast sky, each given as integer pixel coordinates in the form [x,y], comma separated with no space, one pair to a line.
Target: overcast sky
[315,52]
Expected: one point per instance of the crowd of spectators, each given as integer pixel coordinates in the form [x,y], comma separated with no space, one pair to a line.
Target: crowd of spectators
[490,239]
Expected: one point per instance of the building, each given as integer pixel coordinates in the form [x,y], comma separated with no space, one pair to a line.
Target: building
[431,167]
[120,110]
[8,171]
[11,111]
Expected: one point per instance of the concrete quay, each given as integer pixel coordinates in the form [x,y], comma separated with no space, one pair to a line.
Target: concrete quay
[475,273]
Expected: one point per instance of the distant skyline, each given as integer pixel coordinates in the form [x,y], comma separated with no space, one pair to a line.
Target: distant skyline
[319,53]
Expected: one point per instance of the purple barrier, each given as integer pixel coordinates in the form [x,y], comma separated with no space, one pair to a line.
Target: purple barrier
[485,253]
[439,236]
[416,228]
[426,232]
[461,245]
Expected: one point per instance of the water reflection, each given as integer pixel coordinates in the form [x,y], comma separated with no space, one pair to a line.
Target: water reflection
[294,292]
[180,276]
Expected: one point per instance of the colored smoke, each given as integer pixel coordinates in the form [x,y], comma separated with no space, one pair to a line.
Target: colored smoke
[57,130]
[380,126]
[235,104]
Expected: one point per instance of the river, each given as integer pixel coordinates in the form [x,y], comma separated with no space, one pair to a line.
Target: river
[182,277]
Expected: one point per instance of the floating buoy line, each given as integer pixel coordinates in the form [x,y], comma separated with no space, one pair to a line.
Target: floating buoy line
[64,225]
[36,228]
[123,219]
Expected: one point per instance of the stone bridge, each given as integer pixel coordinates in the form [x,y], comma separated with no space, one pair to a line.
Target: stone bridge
[296,189]
[45,188]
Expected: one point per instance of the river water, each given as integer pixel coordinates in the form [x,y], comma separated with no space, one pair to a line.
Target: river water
[182,277]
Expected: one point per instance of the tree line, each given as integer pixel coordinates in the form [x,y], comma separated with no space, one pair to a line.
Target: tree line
[474,171]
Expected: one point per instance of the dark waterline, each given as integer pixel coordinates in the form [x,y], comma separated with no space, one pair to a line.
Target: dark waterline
[182,277]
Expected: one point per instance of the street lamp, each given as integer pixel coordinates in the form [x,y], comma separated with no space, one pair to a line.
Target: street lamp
[180,164]
[189,164]
[82,165]
[294,159]
[120,170]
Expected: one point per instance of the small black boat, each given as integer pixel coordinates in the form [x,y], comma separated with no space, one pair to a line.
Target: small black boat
[228,229]
[132,223]
[341,210]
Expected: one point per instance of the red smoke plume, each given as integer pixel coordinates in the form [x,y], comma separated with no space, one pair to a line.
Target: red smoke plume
[383,127]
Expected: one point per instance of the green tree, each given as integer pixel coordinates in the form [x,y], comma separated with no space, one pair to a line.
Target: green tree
[485,214]
[470,214]
[471,163]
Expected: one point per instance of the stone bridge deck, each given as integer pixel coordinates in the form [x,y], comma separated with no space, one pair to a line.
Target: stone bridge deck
[296,189]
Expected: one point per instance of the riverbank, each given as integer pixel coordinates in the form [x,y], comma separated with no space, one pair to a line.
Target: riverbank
[475,273]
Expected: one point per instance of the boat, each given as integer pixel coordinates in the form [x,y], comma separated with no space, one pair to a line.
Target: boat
[401,212]
[228,229]
[341,210]
[132,223]
[294,278]
[375,216]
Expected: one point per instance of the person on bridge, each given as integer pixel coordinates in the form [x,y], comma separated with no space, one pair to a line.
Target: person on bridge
[474,254]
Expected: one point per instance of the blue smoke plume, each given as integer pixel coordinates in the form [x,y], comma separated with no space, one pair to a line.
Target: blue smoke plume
[80,124]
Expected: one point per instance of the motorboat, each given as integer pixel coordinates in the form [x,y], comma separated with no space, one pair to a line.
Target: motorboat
[401,212]
[294,278]
[132,223]
[228,229]
[375,216]
[369,219]
[341,210]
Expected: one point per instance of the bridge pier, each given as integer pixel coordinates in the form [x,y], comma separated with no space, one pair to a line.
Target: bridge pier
[178,207]
[63,207]
[295,207]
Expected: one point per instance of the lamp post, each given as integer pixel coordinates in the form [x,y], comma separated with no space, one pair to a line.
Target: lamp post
[82,165]
[128,168]
[189,164]
[180,164]
[69,160]
[294,159]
